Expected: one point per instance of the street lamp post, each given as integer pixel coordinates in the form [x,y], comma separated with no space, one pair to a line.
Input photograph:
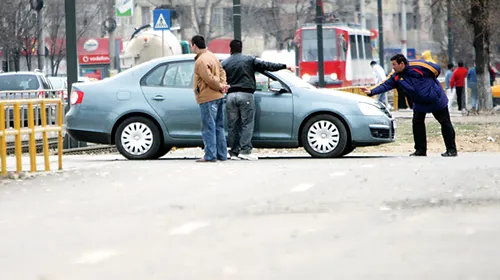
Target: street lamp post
[319,30]
[237,19]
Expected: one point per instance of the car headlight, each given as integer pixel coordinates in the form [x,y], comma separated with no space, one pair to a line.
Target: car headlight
[306,77]
[334,76]
[370,109]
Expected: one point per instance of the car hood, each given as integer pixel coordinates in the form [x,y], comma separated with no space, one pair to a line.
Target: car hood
[346,96]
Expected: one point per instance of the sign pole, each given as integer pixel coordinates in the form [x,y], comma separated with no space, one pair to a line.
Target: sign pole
[162,43]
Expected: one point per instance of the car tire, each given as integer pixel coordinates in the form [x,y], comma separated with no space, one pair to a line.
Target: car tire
[324,136]
[162,151]
[348,149]
[138,138]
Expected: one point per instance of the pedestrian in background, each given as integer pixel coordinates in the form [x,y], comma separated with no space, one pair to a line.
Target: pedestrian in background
[449,91]
[457,81]
[472,85]
[380,76]
[240,102]
[419,80]
[209,84]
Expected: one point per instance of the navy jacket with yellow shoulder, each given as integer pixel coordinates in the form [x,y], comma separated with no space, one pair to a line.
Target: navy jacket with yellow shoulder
[419,81]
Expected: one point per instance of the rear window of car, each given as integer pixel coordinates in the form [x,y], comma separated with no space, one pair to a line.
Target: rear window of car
[19,82]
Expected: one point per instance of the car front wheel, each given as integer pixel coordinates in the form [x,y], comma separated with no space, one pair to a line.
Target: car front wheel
[138,138]
[324,136]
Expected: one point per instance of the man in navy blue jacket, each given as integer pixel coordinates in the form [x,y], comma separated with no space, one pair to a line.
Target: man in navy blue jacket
[418,78]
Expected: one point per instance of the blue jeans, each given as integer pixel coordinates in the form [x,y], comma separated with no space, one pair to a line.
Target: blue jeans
[212,130]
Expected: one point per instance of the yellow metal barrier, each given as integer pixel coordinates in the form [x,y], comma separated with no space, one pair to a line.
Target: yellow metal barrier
[17,131]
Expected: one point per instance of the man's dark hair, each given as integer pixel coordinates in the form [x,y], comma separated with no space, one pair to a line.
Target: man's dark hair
[460,64]
[199,41]
[373,63]
[450,65]
[236,46]
[400,58]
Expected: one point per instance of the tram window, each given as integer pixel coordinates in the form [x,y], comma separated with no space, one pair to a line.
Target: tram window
[310,45]
[368,48]
[361,47]
[342,47]
[352,43]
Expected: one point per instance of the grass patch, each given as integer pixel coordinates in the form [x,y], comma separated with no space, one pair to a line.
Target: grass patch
[470,137]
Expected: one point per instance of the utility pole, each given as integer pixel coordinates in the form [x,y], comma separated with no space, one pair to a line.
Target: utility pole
[71,55]
[319,30]
[237,19]
[37,5]
[110,25]
[380,33]
[40,40]
[450,34]
[362,12]
[71,61]
[404,47]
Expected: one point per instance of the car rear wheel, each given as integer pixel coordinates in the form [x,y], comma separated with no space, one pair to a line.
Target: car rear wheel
[138,138]
[324,136]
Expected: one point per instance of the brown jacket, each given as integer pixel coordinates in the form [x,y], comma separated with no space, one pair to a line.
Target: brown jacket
[209,77]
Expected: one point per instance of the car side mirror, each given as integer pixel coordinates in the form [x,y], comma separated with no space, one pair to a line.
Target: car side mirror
[276,86]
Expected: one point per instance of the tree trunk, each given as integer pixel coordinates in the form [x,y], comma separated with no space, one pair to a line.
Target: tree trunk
[479,16]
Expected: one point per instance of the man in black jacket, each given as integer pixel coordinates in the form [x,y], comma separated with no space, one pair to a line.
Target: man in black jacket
[240,71]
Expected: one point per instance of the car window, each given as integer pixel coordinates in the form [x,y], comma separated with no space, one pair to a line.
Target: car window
[154,78]
[179,75]
[46,84]
[263,82]
[19,82]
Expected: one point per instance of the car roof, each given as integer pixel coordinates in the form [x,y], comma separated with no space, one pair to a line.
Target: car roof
[184,57]
[22,73]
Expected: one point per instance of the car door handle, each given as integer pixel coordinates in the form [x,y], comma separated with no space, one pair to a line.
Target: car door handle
[159,98]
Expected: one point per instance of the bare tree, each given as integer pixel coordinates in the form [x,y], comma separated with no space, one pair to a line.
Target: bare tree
[480,18]
[88,20]
[199,16]
[285,17]
[473,26]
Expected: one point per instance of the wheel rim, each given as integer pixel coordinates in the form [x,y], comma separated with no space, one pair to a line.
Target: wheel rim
[137,138]
[323,136]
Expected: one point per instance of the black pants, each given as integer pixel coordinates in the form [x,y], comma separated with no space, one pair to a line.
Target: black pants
[420,136]
[460,98]
[403,100]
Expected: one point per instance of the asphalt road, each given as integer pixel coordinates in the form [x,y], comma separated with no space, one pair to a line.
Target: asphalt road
[283,217]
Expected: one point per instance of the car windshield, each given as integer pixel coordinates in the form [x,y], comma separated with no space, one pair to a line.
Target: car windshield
[57,83]
[292,79]
[19,82]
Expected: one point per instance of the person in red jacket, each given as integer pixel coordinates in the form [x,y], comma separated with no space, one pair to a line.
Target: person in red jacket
[457,81]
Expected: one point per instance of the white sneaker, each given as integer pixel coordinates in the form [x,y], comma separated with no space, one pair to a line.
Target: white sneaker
[248,156]
[233,157]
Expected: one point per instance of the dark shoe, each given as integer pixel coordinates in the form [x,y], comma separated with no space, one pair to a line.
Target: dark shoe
[204,160]
[418,154]
[449,154]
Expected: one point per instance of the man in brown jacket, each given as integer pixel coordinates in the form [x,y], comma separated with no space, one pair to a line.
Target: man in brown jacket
[209,84]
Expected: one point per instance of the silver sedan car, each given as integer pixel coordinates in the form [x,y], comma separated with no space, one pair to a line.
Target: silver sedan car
[150,108]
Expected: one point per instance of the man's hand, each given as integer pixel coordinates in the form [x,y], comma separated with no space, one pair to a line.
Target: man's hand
[225,88]
[367,91]
[290,67]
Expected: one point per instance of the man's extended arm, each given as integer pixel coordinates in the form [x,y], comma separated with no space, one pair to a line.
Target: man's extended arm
[386,85]
[261,66]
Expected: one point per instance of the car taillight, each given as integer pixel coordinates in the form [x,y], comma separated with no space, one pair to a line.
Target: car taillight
[76,96]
